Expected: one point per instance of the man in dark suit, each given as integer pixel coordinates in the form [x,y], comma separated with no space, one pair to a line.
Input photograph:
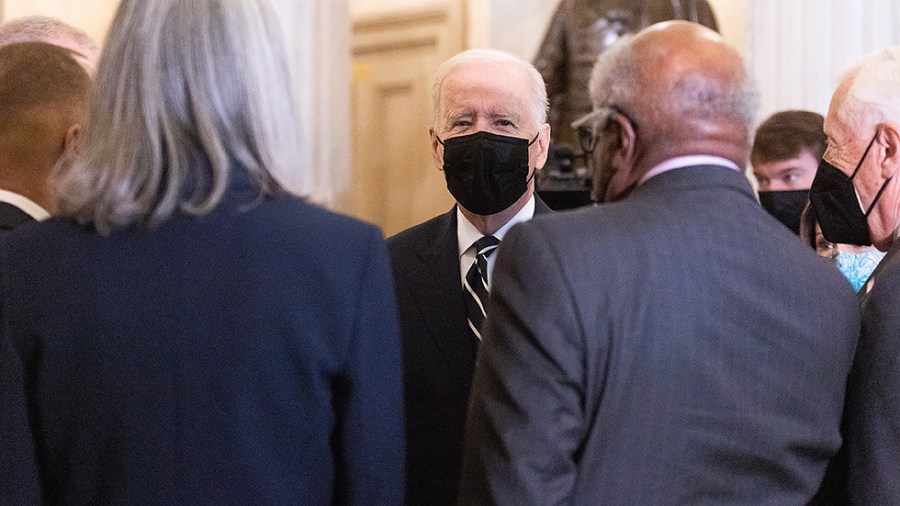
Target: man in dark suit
[489,136]
[43,94]
[677,345]
[857,201]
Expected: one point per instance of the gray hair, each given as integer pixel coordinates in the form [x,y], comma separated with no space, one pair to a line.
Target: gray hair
[538,91]
[188,92]
[873,93]
[617,80]
[45,29]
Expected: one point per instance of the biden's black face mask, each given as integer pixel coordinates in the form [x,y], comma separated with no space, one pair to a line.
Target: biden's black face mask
[834,199]
[485,172]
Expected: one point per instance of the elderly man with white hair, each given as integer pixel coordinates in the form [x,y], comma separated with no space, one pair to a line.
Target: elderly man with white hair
[857,199]
[489,136]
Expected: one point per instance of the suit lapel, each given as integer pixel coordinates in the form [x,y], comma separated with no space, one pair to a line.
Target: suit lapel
[439,297]
[436,284]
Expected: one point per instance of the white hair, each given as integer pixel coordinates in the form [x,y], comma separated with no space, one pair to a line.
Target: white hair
[538,91]
[188,93]
[45,29]
[616,79]
[873,93]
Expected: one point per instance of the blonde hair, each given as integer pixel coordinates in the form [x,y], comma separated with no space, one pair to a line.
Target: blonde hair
[187,93]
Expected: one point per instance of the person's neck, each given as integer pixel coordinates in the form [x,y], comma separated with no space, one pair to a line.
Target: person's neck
[728,149]
[491,223]
[29,184]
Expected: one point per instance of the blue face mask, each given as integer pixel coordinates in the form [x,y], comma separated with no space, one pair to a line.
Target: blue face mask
[857,267]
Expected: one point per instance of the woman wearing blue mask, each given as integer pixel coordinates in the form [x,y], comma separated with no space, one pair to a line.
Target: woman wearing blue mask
[856,263]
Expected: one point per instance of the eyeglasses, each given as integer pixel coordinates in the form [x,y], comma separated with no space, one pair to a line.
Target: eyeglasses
[587,126]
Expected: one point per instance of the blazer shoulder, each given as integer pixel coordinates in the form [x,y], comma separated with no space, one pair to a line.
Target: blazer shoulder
[424,233]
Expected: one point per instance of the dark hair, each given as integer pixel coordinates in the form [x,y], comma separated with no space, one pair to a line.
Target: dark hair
[786,134]
[808,222]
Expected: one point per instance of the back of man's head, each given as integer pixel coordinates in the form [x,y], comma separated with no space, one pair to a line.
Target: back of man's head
[43,95]
[52,31]
[786,134]
[684,87]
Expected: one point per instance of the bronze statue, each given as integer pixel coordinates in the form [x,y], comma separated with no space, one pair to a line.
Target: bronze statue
[580,31]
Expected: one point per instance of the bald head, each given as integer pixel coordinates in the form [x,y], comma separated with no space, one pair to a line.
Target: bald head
[684,90]
[52,31]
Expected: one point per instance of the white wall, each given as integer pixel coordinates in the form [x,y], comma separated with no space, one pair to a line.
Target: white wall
[798,48]
[732,17]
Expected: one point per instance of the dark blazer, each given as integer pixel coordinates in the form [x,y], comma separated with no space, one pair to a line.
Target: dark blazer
[678,347]
[872,418]
[438,355]
[11,217]
[249,356]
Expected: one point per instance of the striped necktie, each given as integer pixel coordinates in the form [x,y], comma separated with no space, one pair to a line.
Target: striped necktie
[475,290]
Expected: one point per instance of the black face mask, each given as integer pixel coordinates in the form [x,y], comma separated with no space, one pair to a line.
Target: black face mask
[786,206]
[834,199]
[486,173]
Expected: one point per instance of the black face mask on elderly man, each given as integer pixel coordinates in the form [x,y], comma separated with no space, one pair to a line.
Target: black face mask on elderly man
[837,207]
[485,172]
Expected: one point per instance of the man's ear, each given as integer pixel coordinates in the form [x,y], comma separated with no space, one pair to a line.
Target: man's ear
[437,150]
[542,143]
[889,137]
[70,142]
[623,155]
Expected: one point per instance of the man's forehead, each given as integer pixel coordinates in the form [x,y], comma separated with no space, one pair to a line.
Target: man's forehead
[486,85]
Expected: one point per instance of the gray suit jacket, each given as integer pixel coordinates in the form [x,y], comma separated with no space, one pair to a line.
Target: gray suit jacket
[677,347]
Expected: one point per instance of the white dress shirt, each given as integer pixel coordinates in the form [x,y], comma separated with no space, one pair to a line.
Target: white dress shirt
[27,205]
[467,235]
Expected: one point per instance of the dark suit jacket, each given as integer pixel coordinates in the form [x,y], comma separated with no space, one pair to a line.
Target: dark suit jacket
[12,217]
[438,355]
[678,347]
[243,357]
[872,418]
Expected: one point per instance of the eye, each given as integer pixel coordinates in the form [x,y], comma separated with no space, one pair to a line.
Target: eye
[462,123]
[505,123]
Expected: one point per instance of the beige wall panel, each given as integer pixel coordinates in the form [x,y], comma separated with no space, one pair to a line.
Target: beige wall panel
[394,181]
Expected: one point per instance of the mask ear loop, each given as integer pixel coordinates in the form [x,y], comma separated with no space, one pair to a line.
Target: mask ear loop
[533,172]
[878,195]
[865,153]
[883,186]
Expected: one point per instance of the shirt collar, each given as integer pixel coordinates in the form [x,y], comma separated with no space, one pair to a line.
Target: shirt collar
[688,161]
[27,205]
[467,233]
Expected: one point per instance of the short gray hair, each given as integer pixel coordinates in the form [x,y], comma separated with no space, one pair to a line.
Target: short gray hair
[188,93]
[538,91]
[617,80]
[873,95]
[44,29]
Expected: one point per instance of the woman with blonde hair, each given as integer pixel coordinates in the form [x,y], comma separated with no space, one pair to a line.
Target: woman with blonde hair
[187,331]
